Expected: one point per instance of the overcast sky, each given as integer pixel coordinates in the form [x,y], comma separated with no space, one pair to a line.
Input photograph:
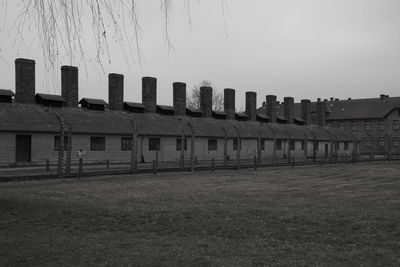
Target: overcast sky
[300,48]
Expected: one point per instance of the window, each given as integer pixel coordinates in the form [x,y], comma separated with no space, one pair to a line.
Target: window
[381,141]
[179,144]
[367,126]
[212,144]
[126,143]
[262,144]
[396,142]
[354,126]
[346,146]
[367,141]
[303,144]
[381,125]
[57,142]
[316,145]
[235,144]
[395,125]
[292,145]
[278,144]
[154,144]
[341,126]
[97,143]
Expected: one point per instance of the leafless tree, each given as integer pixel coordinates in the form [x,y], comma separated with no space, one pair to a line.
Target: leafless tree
[193,98]
[62,27]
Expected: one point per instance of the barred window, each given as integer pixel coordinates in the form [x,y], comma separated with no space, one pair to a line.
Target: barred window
[154,144]
[212,144]
[396,142]
[341,126]
[57,142]
[278,144]
[381,125]
[367,141]
[97,143]
[346,145]
[367,125]
[395,125]
[235,144]
[126,143]
[262,144]
[354,126]
[179,144]
[292,145]
[381,141]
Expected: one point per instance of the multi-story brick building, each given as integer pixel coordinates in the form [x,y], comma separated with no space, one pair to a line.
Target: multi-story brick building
[375,121]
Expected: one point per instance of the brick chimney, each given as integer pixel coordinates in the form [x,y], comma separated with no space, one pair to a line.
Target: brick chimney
[149,94]
[229,103]
[288,109]
[25,81]
[251,102]
[306,111]
[206,101]
[116,91]
[321,113]
[69,85]
[271,107]
[179,98]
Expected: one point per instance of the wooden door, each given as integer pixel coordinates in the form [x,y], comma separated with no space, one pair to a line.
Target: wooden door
[23,148]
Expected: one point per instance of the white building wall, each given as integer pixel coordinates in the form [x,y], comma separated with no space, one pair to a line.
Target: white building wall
[7,148]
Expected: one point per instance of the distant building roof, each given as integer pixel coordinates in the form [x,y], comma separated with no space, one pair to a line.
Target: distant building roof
[348,109]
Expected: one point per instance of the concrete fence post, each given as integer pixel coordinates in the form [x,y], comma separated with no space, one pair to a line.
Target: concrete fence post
[154,167]
[255,163]
[108,164]
[80,168]
[212,164]
[47,165]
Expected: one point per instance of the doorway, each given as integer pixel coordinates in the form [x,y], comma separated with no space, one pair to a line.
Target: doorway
[23,148]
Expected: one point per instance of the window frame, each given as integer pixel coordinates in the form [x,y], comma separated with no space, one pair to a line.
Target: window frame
[367,141]
[154,144]
[367,125]
[292,145]
[354,126]
[396,142]
[179,144]
[97,146]
[212,144]
[278,144]
[395,125]
[126,143]
[381,141]
[341,126]
[382,125]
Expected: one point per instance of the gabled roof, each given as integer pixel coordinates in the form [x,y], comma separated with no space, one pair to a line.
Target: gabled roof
[362,108]
[49,97]
[241,114]
[134,105]
[368,108]
[6,92]
[16,117]
[164,107]
[93,101]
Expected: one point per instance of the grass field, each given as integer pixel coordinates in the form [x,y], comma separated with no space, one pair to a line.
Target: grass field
[313,215]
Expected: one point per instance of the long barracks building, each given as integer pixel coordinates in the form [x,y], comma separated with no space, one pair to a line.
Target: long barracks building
[36,127]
